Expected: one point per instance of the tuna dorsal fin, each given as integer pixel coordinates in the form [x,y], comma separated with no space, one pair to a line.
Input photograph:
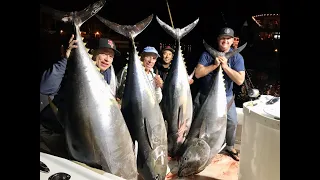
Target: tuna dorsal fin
[129,31]
[148,131]
[136,148]
[78,18]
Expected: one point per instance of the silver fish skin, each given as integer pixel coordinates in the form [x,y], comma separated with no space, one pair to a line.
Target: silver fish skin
[96,132]
[208,129]
[141,110]
[176,103]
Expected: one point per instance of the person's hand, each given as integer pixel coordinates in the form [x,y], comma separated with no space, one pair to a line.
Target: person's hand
[158,81]
[223,61]
[119,102]
[217,62]
[71,46]
[191,81]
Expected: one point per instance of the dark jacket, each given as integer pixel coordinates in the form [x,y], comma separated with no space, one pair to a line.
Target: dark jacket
[163,72]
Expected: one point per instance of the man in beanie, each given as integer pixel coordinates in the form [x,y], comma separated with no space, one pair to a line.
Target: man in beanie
[52,85]
[233,70]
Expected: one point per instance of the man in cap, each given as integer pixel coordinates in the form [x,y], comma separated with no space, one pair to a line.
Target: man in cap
[163,66]
[52,85]
[103,56]
[234,72]
[148,57]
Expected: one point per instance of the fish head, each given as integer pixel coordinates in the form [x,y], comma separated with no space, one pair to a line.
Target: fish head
[158,162]
[194,158]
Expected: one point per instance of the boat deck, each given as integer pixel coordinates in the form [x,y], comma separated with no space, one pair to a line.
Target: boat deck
[222,167]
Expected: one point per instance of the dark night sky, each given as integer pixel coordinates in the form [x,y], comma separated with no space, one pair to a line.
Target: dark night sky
[129,12]
[183,13]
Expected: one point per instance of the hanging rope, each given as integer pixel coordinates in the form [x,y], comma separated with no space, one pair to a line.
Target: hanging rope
[169,14]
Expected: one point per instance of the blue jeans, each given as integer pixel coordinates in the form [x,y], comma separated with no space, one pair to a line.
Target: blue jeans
[232,118]
[232,123]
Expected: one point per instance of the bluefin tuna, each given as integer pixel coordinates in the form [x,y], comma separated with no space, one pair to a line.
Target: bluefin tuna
[208,129]
[176,103]
[95,128]
[141,110]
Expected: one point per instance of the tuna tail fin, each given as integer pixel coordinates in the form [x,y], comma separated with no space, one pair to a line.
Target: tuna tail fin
[230,54]
[78,18]
[210,49]
[130,31]
[216,53]
[177,33]
[136,148]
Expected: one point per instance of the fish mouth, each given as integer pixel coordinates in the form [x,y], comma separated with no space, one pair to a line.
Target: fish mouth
[184,172]
[158,177]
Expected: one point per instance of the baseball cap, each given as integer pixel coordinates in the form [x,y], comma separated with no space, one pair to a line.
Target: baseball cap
[150,49]
[168,48]
[108,43]
[226,32]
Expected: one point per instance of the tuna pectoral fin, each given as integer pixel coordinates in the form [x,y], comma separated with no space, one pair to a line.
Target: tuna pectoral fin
[203,130]
[230,103]
[136,148]
[182,125]
[55,111]
[148,132]
[53,107]
[126,30]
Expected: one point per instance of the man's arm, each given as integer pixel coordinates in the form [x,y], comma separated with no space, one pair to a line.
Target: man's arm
[205,65]
[237,74]
[51,78]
